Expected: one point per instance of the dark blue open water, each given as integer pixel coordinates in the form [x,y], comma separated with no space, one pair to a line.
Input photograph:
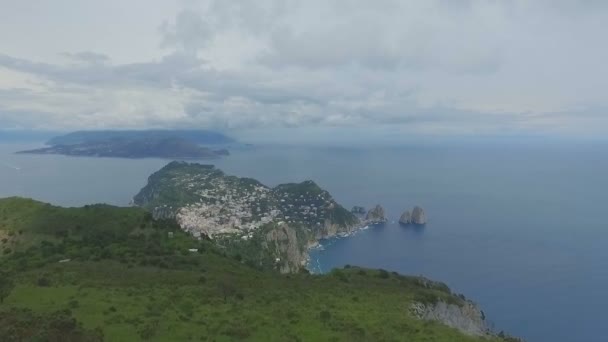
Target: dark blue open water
[520,228]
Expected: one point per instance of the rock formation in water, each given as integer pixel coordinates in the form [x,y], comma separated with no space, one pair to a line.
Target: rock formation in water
[376,215]
[415,217]
[418,216]
[406,218]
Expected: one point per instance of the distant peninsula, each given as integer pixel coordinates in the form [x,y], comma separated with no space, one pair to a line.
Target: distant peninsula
[186,144]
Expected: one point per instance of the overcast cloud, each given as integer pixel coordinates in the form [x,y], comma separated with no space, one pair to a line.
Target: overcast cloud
[430,67]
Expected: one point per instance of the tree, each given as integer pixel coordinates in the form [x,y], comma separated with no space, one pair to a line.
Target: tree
[6,286]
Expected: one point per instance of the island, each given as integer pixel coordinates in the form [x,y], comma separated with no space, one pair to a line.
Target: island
[169,144]
[416,217]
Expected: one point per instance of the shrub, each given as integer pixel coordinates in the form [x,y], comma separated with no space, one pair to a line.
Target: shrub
[43,282]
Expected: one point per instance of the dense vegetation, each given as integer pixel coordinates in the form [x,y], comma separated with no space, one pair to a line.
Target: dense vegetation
[316,196]
[101,272]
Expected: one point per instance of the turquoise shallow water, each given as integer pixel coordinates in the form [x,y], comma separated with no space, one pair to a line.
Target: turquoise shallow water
[519,228]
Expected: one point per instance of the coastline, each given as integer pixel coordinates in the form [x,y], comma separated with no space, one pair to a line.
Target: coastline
[320,244]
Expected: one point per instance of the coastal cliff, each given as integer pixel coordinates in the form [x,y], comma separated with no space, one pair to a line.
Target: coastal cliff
[283,242]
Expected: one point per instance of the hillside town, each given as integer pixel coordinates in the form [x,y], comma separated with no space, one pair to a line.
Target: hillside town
[229,205]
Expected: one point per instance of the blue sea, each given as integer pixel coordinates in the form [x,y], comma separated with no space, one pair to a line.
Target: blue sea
[519,227]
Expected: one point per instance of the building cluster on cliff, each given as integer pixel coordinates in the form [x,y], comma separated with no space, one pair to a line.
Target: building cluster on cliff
[226,205]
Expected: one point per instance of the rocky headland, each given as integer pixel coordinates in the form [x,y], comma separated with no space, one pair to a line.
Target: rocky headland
[277,225]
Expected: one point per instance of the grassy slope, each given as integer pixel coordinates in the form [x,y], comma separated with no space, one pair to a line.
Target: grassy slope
[133,282]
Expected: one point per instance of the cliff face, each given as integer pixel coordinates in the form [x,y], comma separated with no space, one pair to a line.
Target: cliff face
[376,215]
[467,318]
[283,242]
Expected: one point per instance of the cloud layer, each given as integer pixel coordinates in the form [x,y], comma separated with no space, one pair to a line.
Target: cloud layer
[437,67]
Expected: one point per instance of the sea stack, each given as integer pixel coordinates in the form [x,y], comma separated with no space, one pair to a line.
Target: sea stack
[376,215]
[418,216]
[415,217]
[406,218]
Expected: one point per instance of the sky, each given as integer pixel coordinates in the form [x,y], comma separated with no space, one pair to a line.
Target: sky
[436,67]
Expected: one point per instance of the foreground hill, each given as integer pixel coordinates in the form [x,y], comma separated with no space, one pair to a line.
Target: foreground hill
[105,273]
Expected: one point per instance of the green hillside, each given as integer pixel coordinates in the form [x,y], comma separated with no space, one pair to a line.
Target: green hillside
[106,273]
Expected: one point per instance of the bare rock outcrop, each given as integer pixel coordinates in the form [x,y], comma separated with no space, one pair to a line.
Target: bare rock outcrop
[283,243]
[406,218]
[418,216]
[467,317]
[376,215]
[415,217]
